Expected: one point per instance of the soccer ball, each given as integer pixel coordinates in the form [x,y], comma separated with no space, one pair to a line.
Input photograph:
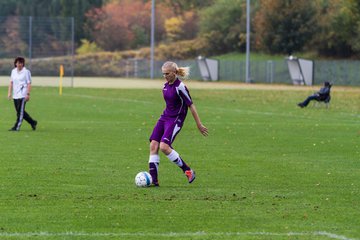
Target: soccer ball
[143,179]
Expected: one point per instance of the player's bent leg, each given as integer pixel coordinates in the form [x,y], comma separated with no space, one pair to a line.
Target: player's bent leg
[175,158]
[165,148]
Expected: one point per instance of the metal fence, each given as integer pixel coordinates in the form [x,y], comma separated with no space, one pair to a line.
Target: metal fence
[35,38]
[271,71]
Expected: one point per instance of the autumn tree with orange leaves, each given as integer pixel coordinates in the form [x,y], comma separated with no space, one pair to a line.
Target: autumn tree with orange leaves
[125,25]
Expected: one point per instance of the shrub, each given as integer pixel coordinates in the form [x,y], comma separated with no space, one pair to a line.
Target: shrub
[88,47]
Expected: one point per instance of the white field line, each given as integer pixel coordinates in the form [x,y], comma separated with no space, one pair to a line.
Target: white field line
[279,114]
[101,98]
[220,109]
[290,115]
[108,98]
[171,234]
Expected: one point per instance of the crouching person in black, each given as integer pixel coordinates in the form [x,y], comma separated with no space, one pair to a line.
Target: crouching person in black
[321,96]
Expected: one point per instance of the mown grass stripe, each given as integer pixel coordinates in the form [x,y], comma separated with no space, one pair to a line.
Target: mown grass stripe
[171,234]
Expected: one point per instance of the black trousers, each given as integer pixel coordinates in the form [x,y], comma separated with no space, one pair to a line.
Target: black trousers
[310,98]
[21,113]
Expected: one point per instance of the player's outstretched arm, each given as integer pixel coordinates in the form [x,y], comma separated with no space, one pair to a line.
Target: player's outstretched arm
[202,128]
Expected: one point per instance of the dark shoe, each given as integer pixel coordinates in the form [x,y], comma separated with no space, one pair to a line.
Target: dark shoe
[300,105]
[13,129]
[34,125]
[155,185]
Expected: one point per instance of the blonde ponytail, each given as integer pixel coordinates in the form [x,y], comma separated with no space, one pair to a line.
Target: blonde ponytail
[183,72]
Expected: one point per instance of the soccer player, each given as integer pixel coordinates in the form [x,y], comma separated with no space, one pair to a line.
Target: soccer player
[19,89]
[178,100]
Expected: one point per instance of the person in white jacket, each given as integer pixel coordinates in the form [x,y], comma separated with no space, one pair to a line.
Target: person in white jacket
[19,90]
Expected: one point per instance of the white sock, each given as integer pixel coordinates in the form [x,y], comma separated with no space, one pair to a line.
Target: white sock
[175,158]
[154,158]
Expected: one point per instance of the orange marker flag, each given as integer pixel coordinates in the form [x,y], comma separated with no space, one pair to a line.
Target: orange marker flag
[61,75]
[61,70]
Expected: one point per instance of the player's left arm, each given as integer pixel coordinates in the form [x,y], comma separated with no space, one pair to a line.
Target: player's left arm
[28,80]
[27,97]
[185,95]
[200,126]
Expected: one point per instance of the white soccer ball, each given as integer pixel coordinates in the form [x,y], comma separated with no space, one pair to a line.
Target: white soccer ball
[143,179]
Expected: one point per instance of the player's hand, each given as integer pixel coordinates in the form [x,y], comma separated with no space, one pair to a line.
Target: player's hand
[9,96]
[27,98]
[204,131]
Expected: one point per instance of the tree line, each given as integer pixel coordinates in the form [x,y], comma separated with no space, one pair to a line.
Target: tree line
[329,28]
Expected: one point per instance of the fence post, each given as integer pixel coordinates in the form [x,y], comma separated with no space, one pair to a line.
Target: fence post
[152,44]
[127,68]
[30,41]
[270,71]
[135,68]
[72,50]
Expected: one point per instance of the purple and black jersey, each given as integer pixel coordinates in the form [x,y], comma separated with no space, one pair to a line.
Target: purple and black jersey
[177,99]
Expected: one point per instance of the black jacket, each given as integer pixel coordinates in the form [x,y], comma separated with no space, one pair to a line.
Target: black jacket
[324,93]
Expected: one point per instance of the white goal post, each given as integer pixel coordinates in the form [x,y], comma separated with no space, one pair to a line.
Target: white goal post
[301,70]
[209,68]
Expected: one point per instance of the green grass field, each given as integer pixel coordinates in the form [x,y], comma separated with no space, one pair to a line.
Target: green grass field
[268,169]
